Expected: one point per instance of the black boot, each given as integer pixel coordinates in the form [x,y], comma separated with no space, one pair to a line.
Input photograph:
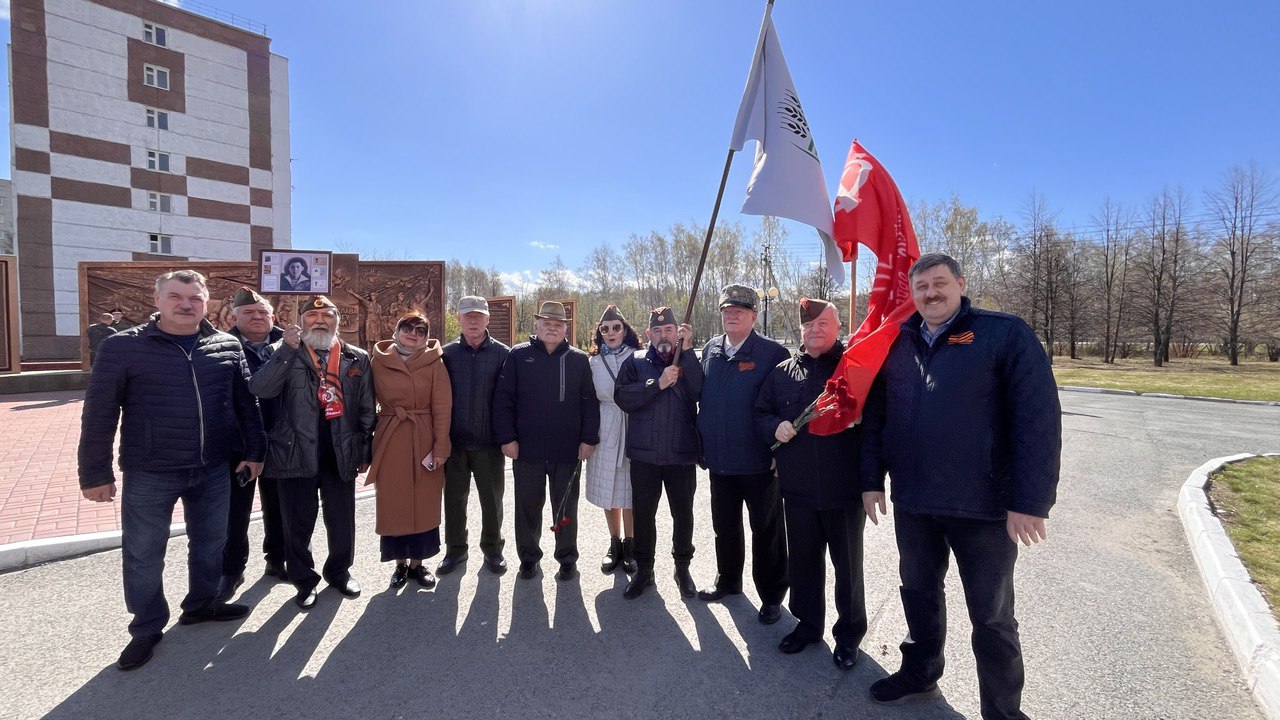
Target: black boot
[613,557]
[642,580]
[629,556]
[684,581]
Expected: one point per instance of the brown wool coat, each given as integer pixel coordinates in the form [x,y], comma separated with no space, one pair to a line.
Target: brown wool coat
[415,403]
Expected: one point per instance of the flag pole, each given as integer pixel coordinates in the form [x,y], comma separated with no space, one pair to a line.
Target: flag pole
[711,227]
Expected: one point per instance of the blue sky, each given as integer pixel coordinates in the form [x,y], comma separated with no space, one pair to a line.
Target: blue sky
[505,131]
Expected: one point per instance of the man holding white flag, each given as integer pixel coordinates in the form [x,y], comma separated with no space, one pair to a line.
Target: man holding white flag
[787,178]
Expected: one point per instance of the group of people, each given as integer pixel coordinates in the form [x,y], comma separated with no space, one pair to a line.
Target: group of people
[963,416]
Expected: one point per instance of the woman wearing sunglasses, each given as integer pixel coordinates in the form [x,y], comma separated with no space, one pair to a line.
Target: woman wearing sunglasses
[410,445]
[608,470]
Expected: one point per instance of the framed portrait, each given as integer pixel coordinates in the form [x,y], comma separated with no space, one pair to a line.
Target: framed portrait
[297,272]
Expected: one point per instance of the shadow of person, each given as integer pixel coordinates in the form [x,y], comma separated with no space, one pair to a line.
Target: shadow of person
[481,622]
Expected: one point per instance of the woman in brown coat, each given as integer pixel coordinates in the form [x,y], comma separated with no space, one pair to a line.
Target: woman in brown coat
[410,445]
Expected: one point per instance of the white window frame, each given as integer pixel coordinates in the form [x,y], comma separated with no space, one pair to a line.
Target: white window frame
[159,161]
[158,119]
[156,76]
[155,34]
[160,244]
[160,202]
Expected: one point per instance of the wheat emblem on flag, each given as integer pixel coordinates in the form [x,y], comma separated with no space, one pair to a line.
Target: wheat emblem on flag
[792,115]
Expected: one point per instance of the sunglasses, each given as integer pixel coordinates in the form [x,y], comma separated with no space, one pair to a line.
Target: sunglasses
[611,328]
[419,330]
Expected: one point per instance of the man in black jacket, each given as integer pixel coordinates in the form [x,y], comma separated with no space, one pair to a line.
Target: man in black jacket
[547,419]
[659,392]
[182,389]
[818,476]
[964,416]
[474,361]
[255,329]
[321,439]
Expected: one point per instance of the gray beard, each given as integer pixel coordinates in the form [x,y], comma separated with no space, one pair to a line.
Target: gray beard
[319,339]
[665,348]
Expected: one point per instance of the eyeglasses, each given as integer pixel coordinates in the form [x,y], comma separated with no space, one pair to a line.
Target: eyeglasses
[419,330]
[611,328]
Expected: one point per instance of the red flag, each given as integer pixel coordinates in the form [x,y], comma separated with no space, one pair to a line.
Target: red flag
[869,210]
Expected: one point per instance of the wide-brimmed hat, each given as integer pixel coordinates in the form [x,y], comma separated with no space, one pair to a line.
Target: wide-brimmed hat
[473,303]
[552,310]
[738,296]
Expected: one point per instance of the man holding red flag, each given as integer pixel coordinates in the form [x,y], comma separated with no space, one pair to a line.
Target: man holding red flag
[964,416]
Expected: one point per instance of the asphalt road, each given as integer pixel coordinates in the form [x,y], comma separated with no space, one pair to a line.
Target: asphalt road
[1115,620]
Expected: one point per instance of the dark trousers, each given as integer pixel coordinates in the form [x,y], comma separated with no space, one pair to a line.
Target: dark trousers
[768,533]
[146,510]
[531,480]
[985,557]
[299,508]
[236,554]
[487,465]
[811,535]
[647,481]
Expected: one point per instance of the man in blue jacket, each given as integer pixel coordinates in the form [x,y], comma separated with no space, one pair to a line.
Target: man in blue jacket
[659,392]
[735,365]
[546,417]
[964,416]
[182,388]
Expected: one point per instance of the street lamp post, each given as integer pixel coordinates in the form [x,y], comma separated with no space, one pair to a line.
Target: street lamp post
[767,296]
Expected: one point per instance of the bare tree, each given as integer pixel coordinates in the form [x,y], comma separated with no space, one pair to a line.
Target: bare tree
[1164,266]
[1237,207]
[1115,246]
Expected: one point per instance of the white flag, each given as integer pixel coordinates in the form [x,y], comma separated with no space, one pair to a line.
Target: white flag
[787,180]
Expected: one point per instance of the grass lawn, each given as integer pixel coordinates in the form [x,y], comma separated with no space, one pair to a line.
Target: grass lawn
[1251,380]
[1247,497]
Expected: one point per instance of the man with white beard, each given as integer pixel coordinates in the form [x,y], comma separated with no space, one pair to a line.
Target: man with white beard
[321,440]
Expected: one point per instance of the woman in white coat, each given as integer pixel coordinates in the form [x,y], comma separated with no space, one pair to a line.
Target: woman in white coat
[608,469]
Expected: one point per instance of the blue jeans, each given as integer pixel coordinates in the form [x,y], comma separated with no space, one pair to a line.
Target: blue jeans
[146,511]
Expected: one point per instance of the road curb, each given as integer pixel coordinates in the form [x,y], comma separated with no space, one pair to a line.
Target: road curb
[1243,614]
[28,553]
[1167,396]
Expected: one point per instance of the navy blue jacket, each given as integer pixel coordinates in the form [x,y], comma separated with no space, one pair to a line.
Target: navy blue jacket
[816,471]
[547,402]
[970,427]
[267,405]
[661,424]
[180,411]
[730,443]
[473,375]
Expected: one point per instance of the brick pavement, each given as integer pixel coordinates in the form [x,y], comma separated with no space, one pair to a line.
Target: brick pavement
[39,494]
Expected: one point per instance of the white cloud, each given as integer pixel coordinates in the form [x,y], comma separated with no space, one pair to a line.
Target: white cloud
[4,9]
[543,246]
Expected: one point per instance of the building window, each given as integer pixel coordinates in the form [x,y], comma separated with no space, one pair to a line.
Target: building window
[157,160]
[155,76]
[155,34]
[162,244]
[160,202]
[157,119]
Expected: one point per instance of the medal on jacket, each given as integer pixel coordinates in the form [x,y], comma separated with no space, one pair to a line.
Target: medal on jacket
[330,393]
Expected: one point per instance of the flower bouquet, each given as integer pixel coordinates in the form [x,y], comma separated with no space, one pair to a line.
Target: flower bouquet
[834,402]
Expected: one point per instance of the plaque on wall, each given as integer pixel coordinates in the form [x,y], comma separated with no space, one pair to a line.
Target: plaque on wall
[502,324]
[8,314]
[294,272]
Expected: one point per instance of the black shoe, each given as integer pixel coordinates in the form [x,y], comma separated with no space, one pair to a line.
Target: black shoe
[349,587]
[138,651]
[629,556]
[845,656]
[567,571]
[716,592]
[684,581]
[794,643]
[423,576]
[227,587]
[769,614]
[613,558]
[400,576]
[642,580]
[450,563]
[897,690]
[306,599]
[527,569]
[215,612]
[496,564]
[276,570]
